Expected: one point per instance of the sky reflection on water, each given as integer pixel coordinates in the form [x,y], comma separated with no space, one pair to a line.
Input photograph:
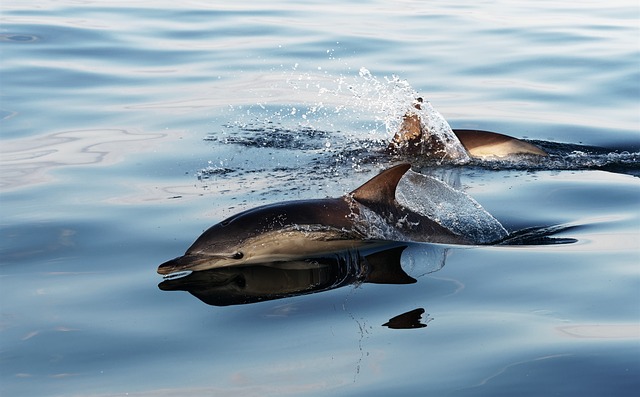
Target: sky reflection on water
[114,119]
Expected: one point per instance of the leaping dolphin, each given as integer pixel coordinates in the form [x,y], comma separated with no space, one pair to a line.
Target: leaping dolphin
[298,229]
[415,138]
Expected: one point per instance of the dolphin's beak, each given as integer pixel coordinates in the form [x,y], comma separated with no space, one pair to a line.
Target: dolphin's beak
[172,266]
[194,262]
[182,264]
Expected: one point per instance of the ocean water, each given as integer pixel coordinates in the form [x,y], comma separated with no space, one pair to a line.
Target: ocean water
[128,128]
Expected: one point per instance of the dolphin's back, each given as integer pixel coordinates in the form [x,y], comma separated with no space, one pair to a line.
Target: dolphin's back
[483,144]
[330,213]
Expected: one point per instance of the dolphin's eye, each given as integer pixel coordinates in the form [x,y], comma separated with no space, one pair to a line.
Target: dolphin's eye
[225,222]
[237,255]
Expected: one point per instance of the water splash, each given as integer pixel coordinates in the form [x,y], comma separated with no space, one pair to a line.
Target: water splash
[339,124]
[393,99]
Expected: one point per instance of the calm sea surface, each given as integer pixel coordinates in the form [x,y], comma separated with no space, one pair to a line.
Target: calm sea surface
[129,127]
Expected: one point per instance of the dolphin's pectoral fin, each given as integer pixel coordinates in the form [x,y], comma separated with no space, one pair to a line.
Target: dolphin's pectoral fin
[385,268]
[381,189]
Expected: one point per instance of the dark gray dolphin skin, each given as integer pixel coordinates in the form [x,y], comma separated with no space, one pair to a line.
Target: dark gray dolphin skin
[412,139]
[244,284]
[298,229]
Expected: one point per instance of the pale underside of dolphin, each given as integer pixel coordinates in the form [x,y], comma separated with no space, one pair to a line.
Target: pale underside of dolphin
[304,228]
[414,138]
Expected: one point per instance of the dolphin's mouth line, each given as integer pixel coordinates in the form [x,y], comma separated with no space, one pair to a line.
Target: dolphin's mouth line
[176,275]
[168,269]
[222,255]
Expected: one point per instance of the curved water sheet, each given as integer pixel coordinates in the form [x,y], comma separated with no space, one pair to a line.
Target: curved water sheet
[388,263]
[438,127]
[451,208]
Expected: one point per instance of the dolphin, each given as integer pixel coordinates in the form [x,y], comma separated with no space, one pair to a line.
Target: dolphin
[298,229]
[414,138]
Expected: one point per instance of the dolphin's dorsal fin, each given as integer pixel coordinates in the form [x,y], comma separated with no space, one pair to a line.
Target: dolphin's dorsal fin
[381,189]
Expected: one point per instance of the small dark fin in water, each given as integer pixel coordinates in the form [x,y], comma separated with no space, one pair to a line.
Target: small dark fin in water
[385,268]
[408,320]
[381,189]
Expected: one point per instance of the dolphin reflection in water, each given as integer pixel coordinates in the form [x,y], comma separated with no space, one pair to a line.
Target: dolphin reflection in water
[233,285]
[379,263]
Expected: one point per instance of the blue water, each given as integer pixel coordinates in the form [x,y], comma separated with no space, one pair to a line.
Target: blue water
[129,128]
